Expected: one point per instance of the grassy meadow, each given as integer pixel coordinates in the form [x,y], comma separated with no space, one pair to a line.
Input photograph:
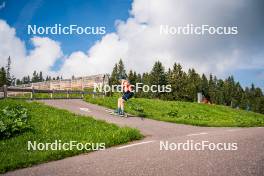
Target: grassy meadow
[50,124]
[184,112]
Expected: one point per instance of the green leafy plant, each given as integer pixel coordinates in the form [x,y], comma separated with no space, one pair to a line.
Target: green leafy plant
[173,113]
[13,120]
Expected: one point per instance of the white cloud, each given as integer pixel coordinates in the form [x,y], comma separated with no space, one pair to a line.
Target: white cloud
[44,54]
[41,58]
[99,59]
[139,43]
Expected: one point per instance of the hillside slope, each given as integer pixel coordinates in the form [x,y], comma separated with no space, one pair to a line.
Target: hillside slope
[185,112]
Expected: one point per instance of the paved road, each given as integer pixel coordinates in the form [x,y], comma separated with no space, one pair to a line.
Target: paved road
[144,157]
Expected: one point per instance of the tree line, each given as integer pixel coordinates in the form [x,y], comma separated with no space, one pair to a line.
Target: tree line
[7,79]
[186,85]
[36,77]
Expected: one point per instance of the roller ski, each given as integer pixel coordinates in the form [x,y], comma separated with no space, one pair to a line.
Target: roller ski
[119,113]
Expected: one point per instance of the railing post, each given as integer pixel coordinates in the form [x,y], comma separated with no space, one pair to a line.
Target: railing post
[32,93]
[51,94]
[67,94]
[5,91]
[82,94]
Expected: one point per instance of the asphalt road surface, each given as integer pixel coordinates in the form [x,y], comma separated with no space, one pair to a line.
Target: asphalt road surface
[144,157]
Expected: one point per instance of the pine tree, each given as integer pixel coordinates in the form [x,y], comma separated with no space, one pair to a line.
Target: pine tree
[178,80]
[251,97]
[40,77]
[35,77]
[146,78]
[194,82]
[114,76]
[3,78]
[244,102]
[237,95]
[157,77]
[255,98]
[18,82]
[132,76]
[146,81]
[121,70]
[229,89]
[219,95]
[259,106]
[8,74]
[212,89]
[204,86]
[29,80]
[118,73]
[24,80]
[138,80]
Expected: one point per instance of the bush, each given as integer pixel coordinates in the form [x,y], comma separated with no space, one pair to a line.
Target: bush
[173,113]
[13,120]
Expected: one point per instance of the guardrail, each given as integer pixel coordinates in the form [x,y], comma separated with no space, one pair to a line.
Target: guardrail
[33,91]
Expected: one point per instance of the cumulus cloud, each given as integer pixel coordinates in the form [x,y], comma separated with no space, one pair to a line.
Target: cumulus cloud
[99,59]
[41,58]
[139,43]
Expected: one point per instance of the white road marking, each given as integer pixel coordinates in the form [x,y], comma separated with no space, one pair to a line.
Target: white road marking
[131,145]
[197,134]
[233,130]
[108,110]
[85,109]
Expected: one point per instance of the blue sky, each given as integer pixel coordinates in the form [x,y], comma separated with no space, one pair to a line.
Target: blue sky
[21,13]
[246,68]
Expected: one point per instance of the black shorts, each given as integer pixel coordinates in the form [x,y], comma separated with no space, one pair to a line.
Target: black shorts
[127,95]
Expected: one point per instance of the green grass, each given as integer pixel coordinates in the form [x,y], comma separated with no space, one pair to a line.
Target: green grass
[50,124]
[185,112]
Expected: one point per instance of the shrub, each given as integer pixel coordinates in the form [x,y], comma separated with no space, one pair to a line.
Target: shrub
[13,121]
[173,113]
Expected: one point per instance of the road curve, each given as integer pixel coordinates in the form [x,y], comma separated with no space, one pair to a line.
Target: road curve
[144,157]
